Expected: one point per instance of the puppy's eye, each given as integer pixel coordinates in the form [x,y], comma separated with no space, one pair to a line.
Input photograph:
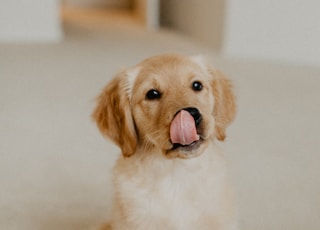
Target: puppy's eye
[197,86]
[153,94]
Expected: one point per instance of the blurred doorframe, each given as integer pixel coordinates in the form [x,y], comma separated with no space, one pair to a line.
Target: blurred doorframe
[148,12]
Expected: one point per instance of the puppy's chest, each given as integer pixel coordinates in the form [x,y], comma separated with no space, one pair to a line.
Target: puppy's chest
[178,197]
[175,198]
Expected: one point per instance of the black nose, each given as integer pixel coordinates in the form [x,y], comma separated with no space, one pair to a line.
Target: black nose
[195,114]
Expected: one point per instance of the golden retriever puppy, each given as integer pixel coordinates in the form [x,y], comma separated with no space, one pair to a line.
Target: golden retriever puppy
[166,114]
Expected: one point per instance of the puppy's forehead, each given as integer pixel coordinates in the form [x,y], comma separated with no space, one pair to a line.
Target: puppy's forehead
[170,67]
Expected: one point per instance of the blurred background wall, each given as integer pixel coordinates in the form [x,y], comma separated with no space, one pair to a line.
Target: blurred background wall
[282,30]
[32,20]
[203,20]
[287,31]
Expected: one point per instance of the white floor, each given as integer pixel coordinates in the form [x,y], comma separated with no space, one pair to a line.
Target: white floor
[55,166]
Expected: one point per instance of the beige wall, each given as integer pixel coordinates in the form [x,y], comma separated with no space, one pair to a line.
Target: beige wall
[33,20]
[203,19]
[286,31]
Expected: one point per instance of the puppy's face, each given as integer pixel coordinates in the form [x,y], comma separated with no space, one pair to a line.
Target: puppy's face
[163,88]
[171,103]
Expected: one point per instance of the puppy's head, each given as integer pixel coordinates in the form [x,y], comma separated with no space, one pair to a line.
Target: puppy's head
[170,103]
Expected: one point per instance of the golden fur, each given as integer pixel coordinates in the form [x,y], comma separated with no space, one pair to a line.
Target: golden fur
[158,186]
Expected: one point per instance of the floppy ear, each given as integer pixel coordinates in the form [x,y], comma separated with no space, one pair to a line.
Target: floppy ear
[225,105]
[113,114]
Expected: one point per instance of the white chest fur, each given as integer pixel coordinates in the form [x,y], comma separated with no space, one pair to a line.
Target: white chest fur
[157,193]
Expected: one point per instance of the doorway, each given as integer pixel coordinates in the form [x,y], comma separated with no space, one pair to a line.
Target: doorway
[143,12]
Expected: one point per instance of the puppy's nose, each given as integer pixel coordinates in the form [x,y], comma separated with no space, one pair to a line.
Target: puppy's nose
[195,114]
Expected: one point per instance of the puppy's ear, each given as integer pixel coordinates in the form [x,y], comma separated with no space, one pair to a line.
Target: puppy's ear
[225,105]
[113,114]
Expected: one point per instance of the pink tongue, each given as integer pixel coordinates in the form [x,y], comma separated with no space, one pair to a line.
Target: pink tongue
[183,129]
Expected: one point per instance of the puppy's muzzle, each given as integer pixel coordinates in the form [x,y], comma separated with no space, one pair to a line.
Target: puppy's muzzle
[195,114]
[186,133]
[184,127]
